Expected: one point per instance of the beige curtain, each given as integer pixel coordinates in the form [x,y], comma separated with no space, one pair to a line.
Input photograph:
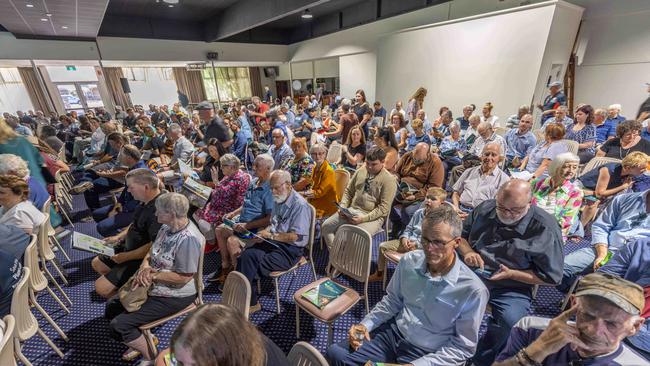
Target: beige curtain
[190,83]
[36,93]
[112,76]
[256,82]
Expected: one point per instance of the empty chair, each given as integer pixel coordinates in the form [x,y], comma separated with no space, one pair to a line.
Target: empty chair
[342,179]
[572,146]
[304,354]
[237,292]
[7,356]
[26,324]
[350,256]
[334,153]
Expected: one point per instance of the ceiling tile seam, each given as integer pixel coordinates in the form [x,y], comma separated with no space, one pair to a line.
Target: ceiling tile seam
[101,18]
[76,18]
[21,16]
[50,19]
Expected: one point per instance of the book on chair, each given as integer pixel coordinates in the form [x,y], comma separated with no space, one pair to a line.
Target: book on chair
[324,293]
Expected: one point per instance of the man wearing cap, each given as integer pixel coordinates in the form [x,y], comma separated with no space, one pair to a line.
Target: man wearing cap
[552,101]
[215,127]
[607,309]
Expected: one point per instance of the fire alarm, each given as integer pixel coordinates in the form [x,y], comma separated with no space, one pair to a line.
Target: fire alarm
[213,55]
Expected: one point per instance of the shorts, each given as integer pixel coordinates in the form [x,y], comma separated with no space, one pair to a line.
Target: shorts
[119,273]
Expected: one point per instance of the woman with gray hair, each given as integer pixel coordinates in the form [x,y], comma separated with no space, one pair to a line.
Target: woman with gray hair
[227,196]
[322,194]
[167,270]
[557,194]
[11,164]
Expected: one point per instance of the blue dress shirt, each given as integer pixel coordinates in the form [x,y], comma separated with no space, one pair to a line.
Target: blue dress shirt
[625,219]
[519,145]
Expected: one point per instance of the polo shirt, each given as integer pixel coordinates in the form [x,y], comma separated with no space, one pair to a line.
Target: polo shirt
[529,328]
[604,131]
[145,226]
[258,201]
[293,216]
[475,187]
[534,243]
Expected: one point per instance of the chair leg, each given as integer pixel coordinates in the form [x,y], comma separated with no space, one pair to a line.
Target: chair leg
[385,277]
[56,284]
[313,270]
[59,271]
[57,299]
[330,333]
[297,322]
[277,295]
[259,286]
[48,318]
[19,353]
[58,245]
[153,350]
[49,342]
[365,297]
[66,216]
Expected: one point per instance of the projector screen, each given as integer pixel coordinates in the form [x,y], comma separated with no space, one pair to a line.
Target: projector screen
[495,59]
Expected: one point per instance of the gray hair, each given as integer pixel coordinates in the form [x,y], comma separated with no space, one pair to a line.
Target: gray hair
[454,125]
[144,176]
[265,160]
[173,203]
[174,127]
[346,101]
[229,160]
[559,161]
[131,151]
[499,149]
[485,125]
[318,146]
[474,117]
[600,112]
[444,214]
[615,106]
[282,175]
[11,164]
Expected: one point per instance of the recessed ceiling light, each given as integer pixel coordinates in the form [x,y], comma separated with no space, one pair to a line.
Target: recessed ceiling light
[48,14]
[43,19]
[64,27]
[170,5]
[306,14]
[29,5]
[171,1]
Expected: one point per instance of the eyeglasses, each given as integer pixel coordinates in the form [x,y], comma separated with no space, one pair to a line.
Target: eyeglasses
[435,243]
[512,211]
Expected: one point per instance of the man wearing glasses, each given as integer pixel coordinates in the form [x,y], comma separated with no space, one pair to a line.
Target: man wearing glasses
[280,151]
[367,198]
[624,220]
[432,310]
[512,246]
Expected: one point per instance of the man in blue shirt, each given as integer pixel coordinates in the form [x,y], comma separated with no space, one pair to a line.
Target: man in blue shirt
[280,151]
[238,147]
[520,141]
[625,219]
[552,101]
[633,264]
[432,310]
[379,110]
[614,114]
[464,119]
[605,129]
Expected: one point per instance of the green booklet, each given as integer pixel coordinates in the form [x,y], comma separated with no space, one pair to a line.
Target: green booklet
[324,293]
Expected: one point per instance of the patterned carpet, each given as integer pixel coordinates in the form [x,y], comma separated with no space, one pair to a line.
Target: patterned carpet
[87,330]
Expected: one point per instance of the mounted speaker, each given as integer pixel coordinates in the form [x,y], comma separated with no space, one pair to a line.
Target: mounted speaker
[125,85]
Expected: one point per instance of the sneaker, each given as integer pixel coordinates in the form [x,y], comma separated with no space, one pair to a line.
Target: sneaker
[81,187]
[376,277]
[255,308]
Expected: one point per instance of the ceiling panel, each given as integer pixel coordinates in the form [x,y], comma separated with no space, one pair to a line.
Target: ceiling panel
[197,10]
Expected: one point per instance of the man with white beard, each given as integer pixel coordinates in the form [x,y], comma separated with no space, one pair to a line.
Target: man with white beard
[284,240]
[512,246]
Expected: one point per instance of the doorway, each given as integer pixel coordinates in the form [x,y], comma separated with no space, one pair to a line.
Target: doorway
[79,96]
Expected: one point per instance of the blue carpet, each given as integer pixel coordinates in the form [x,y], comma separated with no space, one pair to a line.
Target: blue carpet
[90,344]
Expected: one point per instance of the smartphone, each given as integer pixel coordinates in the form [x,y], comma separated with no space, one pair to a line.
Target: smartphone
[483,272]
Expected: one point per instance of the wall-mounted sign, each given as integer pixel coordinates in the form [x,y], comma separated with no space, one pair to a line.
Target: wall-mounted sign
[71,68]
[195,66]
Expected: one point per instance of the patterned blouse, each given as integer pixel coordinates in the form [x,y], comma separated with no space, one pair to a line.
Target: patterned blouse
[226,197]
[587,134]
[564,204]
[301,168]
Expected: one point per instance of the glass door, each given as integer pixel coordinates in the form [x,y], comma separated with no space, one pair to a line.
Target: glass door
[90,95]
[79,96]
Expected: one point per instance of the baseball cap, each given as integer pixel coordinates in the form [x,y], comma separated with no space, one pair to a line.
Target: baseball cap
[204,105]
[624,294]
[555,83]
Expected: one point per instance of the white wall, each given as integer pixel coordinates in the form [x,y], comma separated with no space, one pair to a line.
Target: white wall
[154,90]
[61,74]
[616,62]
[14,97]
[471,61]
[359,72]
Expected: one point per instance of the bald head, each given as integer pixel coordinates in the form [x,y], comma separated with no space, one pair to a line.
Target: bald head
[421,151]
[515,190]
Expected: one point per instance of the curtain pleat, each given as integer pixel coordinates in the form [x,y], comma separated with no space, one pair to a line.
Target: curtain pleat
[112,76]
[36,93]
[190,83]
[256,81]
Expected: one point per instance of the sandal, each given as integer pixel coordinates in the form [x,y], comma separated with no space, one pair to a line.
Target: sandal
[131,354]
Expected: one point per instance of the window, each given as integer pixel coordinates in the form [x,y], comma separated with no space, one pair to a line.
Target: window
[10,76]
[234,83]
[135,73]
[166,73]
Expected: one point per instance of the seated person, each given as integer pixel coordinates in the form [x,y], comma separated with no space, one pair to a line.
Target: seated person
[451,147]
[417,136]
[606,310]
[212,335]
[486,135]
[322,194]
[354,152]
[113,217]
[14,240]
[305,124]
[583,132]
[183,150]
[284,240]
[384,139]
[167,270]
[240,141]
[11,270]
[133,243]
[415,323]
[227,196]
[211,169]
[560,118]
[301,166]
[512,246]
[626,218]
[609,180]
[253,215]
[628,139]
[557,194]
[479,183]
[368,196]
[605,130]
[539,158]
[15,207]
[280,151]
[520,141]
[11,164]
[409,239]
[632,263]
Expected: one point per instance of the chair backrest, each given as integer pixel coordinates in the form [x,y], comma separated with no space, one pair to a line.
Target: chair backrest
[334,153]
[571,145]
[351,252]
[501,131]
[304,354]
[26,324]
[342,179]
[596,163]
[237,292]
[198,276]
[61,155]
[37,280]
[46,206]
[43,245]
[7,357]
[312,233]
[539,135]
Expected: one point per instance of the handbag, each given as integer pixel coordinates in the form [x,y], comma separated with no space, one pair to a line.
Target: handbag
[132,299]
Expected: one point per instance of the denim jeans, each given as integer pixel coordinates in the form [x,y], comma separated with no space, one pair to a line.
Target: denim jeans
[577,263]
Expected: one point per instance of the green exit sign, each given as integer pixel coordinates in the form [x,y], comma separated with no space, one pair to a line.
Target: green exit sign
[71,68]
